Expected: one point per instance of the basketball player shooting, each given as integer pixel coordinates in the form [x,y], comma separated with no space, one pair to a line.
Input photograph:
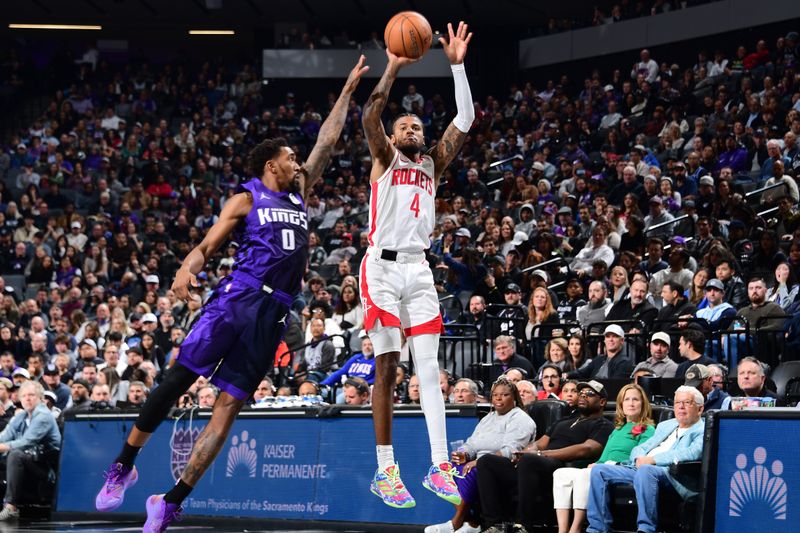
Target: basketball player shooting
[236,337]
[396,281]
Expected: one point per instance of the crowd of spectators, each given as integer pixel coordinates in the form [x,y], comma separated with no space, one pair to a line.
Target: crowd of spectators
[628,189]
[608,12]
[634,181]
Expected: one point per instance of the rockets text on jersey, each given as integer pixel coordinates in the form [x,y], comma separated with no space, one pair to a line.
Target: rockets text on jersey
[402,206]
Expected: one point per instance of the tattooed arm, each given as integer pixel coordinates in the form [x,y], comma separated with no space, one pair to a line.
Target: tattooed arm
[446,149]
[453,139]
[330,131]
[380,147]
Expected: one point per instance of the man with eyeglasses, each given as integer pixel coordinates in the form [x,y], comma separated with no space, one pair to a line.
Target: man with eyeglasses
[676,440]
[716,398]
[550,381]
[579,438]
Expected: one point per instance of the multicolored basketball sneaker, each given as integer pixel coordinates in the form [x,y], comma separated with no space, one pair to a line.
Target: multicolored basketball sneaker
[440,481]
[388,486]
[118,479]
[160,514]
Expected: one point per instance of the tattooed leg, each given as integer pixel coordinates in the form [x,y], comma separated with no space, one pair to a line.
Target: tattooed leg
[210,441]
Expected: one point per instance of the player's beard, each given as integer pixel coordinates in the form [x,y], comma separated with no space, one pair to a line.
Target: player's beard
[294,185]
[410,150]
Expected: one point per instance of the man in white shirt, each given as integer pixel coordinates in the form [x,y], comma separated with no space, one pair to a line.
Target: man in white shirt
[594,250]
[110,120]
[646,67]
[612,118]
[413,97]
[75,237]
[677,271]
[27,177]
[791,190]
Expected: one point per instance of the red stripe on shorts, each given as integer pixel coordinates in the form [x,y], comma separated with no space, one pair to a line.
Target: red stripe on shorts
[371,311]
[432,326]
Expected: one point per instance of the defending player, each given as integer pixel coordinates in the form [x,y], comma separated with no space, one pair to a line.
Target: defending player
[243,321]
[396,281]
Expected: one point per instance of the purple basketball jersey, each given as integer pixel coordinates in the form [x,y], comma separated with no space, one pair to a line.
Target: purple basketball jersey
[273,240]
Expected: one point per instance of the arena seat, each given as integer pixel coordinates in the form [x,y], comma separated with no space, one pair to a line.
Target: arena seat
[545,413]
[31,290]
[17,282]
[661,413]
[675,514]
[38,491]
[326,271]
[787,382]
[659,389]
[10,178]
[452,307]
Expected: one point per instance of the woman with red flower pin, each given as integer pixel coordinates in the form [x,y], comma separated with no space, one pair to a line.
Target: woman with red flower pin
[633,425]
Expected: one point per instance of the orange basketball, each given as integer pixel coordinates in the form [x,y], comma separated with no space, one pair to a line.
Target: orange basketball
[408,34]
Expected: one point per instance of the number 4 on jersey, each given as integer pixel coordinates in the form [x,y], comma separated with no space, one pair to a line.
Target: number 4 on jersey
[415,205]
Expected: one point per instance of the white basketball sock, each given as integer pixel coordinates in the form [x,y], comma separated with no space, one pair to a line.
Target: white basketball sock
[425,350]
[385,456]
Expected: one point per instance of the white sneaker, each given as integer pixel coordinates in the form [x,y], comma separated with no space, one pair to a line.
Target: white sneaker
[466,528]
[11,515]
[447,527]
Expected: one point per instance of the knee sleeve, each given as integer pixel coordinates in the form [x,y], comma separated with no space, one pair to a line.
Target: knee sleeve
[158,404]
[424,353]
[424,350]
[425,347]
[385,339]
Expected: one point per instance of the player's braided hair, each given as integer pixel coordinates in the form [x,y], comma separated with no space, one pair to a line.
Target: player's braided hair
[263,152]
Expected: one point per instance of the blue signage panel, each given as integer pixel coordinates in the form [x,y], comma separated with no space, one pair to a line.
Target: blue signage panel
[758,476]
[284,468]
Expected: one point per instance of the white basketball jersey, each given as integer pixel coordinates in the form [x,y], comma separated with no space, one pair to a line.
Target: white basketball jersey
[402,210]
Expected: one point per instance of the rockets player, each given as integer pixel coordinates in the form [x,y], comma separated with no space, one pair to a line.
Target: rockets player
[242,323]
[396,281]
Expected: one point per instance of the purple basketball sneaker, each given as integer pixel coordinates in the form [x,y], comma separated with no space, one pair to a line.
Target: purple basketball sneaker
[118,479]
[160,514]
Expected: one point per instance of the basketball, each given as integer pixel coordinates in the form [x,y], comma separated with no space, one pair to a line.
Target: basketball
[408,34]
